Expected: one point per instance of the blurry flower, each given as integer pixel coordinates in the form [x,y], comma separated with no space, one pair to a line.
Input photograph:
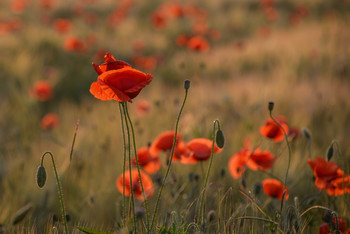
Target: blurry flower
[201,148]
[267,3]
[90,18]
[138,45]
[339,186]
[136,185]
[273,131]
[164,142]
[181,40]
[142,107]
[49,121]
[74,44]
[274,188]
[198,43]
[294,132]
[260,160]
[118,81]
[149,163]
[148,63]
[214,34]
[271,14]
[159,20]
[46,4]
[62,25]
[237,163]
[42,90]
[325,229]
[18,6]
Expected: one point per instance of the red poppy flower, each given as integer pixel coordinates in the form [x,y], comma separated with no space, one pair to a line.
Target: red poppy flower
[325,229]
[273,131]
[159,20]
[201,148]
[198,43]
[118,81]
[49,121]
[182,40]
[339,186]
[143,107]
[325,172]
[274,188]
[62,25]
[237,163]
[149,163]
[136,185]
[164,142]
[260,160]
[18,6]
[42,90]
[74,44]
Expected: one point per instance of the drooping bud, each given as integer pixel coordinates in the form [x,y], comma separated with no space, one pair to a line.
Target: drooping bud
[220,139]
[306,133]
[330,152]
[187,84]
[271,105]
[41,176]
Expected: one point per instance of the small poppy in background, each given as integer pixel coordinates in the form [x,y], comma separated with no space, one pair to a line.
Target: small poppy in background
[271,14]
[136,185]
[11,25]
[198,43]
[274,188]
[260,160]
[142,107]
[201,148]
[182,40]
[49,121]
[294,132]
[138,45]
[273,131]
[74,44]
[46,4]
[150,163]
[118,81]
[159,20]
[237,163]
[214,34]
[148,63]
[62,25]
[18,6]
[42,91]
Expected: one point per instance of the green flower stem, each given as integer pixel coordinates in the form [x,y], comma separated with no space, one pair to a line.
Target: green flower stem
[170,161]
[124,162]
[131,184]
[137,164]
[289,155]
[63,210]
[208,171]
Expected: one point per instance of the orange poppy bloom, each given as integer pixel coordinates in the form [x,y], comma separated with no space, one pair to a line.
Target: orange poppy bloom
[237,163]
[49,121]
[136,185]
[164,142]
[325,173]
[118,81]
[339,186]
[149,163]
[260,160]
[201,148]
[273,131]
[198,43]
[274,188]
[62,25]
[42,91]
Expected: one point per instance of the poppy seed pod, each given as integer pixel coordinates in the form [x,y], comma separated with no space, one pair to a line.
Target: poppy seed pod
[41,176]
[220,139]
[330,152]
[271,105]
[187,84]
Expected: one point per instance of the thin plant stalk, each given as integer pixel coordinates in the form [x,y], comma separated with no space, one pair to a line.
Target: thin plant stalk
[208,171]
[124,162]
[137,164]
[170,161]
[63,210]
[129,156]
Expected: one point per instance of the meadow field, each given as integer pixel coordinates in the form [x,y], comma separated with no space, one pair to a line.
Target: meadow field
[257,94]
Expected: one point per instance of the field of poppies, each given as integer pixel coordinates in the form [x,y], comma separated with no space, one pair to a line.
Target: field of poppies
[135,116]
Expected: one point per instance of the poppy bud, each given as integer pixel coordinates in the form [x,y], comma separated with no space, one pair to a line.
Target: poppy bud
[271,105]
[330,152]
[21,214]
[211,216]
[41,176]
[220,139]
[306,133]
[187,84]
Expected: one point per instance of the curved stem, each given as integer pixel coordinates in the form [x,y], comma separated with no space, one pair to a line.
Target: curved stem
[208,171]
[59,190]
[124,162]
[170,161]
[130,175]
[137,164]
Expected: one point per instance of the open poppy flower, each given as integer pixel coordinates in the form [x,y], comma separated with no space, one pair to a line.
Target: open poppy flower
[237,163]
[149,163]
[273,131]
[110,63]
[260,160]
[136,185]
[49,121]
[326,172]
[200,148]
[274,188]
[42,91]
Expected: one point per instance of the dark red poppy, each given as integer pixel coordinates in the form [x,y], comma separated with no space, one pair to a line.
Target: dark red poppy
[324,229]
[150,163]
[273,131]
[201,148]
[237,162]
[49,121]
[261,160]
[136,185]
[62,25]
[42,91]
[118,81]
[274,188]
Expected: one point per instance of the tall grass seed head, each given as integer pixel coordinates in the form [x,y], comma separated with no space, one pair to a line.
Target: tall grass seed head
[41,176]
